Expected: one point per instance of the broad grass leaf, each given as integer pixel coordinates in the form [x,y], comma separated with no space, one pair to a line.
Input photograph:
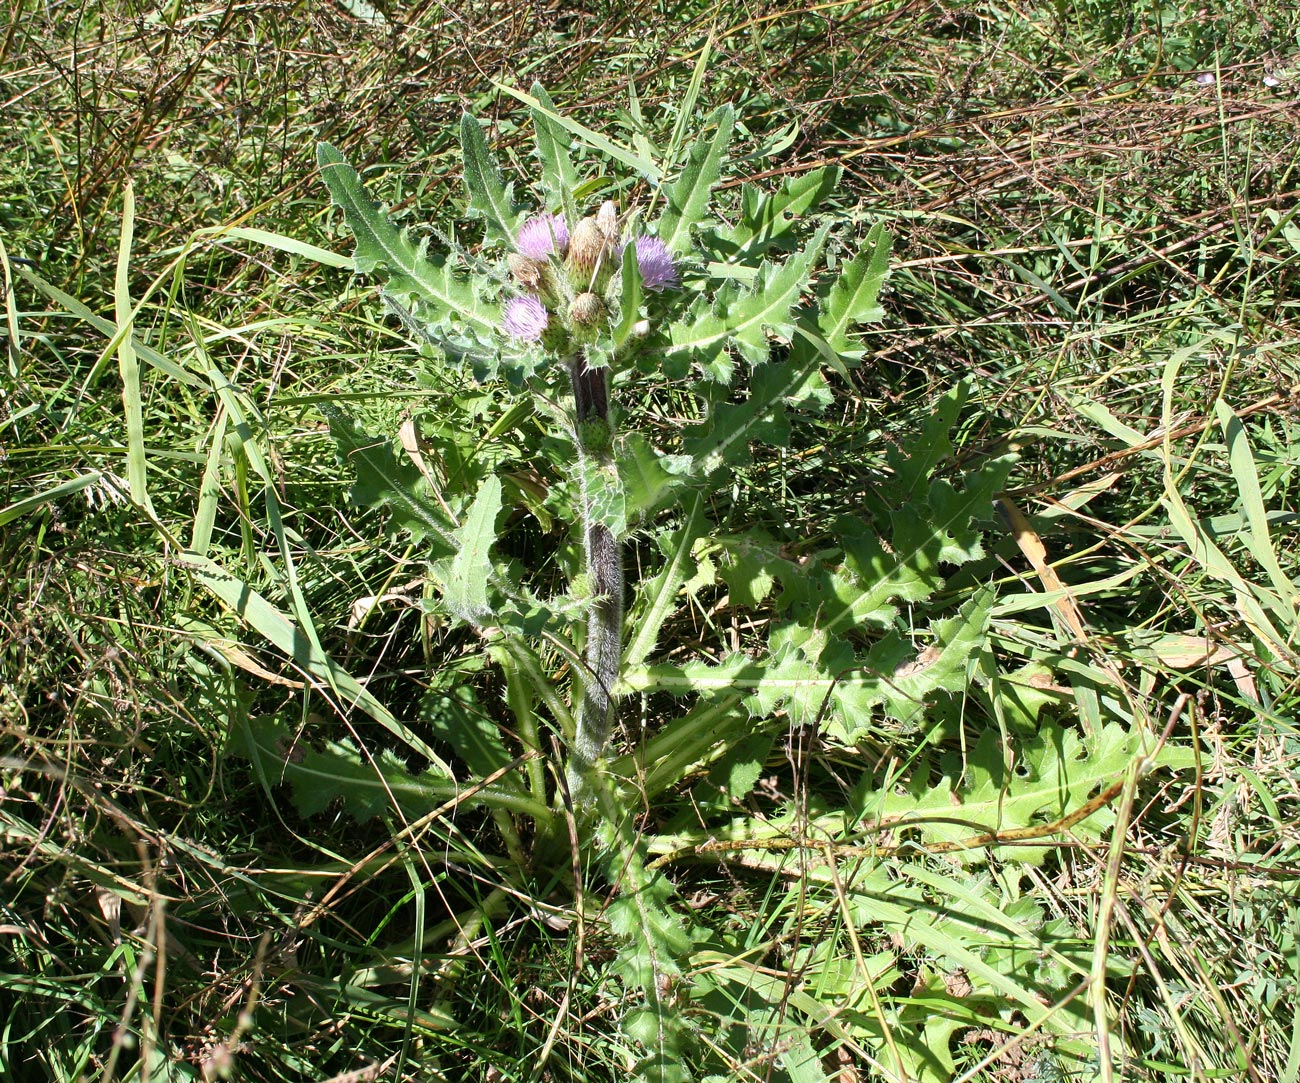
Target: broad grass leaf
[365,785]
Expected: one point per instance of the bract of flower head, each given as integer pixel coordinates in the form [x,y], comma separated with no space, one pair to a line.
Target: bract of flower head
[543,235]
[655,263]
[525,318]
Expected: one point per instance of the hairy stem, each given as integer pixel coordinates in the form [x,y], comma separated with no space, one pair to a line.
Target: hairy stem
[604,569]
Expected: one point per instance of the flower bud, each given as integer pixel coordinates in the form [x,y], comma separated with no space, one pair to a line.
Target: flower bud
[587,310]
[586,247]
[527,272]
[593,250]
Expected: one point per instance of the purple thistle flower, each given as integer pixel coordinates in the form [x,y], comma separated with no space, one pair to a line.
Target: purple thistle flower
[656,264]
[525,318]
[542,235]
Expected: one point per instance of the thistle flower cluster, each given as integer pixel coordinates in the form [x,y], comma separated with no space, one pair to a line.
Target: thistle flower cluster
[570,280]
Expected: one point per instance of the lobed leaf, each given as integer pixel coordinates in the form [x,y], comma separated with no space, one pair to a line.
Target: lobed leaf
[464,579]
[384,480]
[854,299]
[559,177]
[427,284]
[745,317]
[768,218]
[688,195]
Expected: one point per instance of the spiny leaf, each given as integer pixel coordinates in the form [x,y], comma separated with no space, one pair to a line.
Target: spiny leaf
[452,716]
[688,195]
[384,480]
[489,198]
[853,298]
[603,493]
[559,178]
[1052,772]
[746,317]
[464,579]
[440,298]
[767,218]
[723,440]
[904,685]
[649,479]
[750,571]
[913,465]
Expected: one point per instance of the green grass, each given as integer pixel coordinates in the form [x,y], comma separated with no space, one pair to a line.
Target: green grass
[1101,245]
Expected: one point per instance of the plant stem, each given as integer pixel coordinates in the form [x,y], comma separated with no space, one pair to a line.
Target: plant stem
[604,569]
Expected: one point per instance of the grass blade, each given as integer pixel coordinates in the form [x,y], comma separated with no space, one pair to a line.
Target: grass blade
[283,633]
[137,469]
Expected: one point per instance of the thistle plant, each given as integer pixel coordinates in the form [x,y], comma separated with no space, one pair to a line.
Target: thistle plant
[556,297]
[580,290]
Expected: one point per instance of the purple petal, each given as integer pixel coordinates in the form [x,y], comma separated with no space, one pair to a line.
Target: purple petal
[525,318]
[543,235]
[656,264]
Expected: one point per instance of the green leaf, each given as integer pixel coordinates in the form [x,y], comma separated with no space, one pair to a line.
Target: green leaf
[723,440]
[630,300]
[649,479]
[656,599]
[489,198]
[559,178]
[688,195]
[1241,460]
[464,578]
[452,716]
[750,570]
[384,480]
[1055,772]
[767,218]
[445,302]
[746,317]
[288,637]
[366,786]
[903,680]
[913,464]
[853,298]
[642,166]
[603,489]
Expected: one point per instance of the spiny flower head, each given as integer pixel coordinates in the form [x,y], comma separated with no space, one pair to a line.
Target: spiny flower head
[656,264]
[525,318]
[543,235]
